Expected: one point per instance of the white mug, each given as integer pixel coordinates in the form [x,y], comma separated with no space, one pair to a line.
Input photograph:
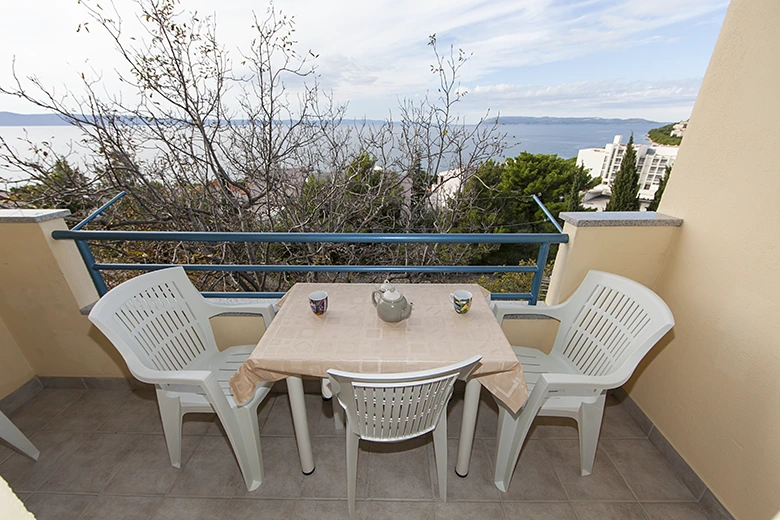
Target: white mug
[461,301]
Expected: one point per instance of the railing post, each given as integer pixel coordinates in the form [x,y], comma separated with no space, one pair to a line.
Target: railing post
[541,261]
[89,262]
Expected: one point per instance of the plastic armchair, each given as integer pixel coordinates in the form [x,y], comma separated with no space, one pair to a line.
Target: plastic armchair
[13,436]
[159,323]
[607,326]
[397,407]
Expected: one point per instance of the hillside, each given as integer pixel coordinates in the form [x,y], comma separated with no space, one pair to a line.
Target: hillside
[661,135]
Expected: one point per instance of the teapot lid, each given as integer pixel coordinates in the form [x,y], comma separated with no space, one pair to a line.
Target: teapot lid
[389,292]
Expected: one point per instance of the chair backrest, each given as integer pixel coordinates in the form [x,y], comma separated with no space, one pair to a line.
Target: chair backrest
[158,320]
[394,407]
[609,324]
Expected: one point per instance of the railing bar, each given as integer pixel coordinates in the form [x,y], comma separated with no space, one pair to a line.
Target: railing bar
[270,295]
[376,238]
[325,268]
[541,261]
[89,262]
[547,212]
[98,211]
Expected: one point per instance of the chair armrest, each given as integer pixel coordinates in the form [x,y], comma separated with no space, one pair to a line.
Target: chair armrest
[171,377]
[503,308]
[579,383]
[267,310]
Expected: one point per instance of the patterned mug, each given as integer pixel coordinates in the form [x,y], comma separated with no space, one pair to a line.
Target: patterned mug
[461,300]
[318,301]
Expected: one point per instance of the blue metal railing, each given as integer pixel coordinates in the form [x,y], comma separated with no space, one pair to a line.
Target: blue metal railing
[544,240]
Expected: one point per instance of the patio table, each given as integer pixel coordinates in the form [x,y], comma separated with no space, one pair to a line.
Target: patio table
[350,336]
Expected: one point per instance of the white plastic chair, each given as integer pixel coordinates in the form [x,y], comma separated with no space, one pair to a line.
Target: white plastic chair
[397,407]
[159,323]
[13,436]
[606,328]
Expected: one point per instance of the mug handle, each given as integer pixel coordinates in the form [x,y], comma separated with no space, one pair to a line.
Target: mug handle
[452,298]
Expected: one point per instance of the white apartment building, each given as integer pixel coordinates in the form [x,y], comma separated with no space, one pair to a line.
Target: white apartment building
[651,164]
[679,129]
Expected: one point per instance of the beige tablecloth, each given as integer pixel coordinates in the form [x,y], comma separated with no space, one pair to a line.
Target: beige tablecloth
[350,336]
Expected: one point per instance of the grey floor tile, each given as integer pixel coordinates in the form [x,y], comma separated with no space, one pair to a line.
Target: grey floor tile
[46,506]
[645,470]
[487,416]
[329,479]
[320,415]
[125,508]
[400,470]
[477,485]
[322,510]
[191,509]
[605,483]
[5,452]
[137,414]
[377,510]
[680,511]
[609,511]
[539,511]
[245,509]
[553,428]
[534,477]
[468,510]
[147,470]
[282,469]
[618,424]
[194,424]
[45,406]
[678,464]
[88,411]
[211,471]
[24,474]
[89,467]
[279,419]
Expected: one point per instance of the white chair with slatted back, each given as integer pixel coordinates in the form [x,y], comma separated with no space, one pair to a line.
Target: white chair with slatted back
[159,323]
[397,407]
[606,328]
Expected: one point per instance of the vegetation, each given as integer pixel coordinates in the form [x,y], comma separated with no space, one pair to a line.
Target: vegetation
[662,135]
[625,187]
[274,158]
[653,206]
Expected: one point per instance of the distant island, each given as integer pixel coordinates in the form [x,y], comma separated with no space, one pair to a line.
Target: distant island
[13,119]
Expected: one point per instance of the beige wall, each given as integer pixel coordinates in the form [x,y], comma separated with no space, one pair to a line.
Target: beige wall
[714,389]
[40,309]
[636,252]
[14,368]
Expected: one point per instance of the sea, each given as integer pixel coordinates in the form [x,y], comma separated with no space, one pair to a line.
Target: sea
[562,139]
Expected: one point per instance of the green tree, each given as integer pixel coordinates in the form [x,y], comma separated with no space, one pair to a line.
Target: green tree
[498,198]
[581,181]
[660,191]
[625,187]
[662,135]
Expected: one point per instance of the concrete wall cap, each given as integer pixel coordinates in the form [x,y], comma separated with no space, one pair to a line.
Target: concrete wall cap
[619,218]
[16,216]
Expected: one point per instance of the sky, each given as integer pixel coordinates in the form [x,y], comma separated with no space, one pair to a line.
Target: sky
[563,58]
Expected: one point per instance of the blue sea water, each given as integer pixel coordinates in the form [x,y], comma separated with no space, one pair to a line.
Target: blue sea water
[563,139]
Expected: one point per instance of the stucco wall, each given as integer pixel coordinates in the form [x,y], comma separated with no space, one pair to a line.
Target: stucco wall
[14,368]
[714,388]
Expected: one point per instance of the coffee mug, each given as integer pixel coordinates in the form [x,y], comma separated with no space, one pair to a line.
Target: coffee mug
[461,300]
[318,301]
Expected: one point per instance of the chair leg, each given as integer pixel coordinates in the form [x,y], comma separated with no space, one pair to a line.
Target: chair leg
[338,412]
[511,435]
[13,436]
[170,413]
[352,459]
[249,455]
[440,453]
[589,420]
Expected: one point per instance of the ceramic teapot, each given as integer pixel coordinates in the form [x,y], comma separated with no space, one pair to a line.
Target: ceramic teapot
[391,306]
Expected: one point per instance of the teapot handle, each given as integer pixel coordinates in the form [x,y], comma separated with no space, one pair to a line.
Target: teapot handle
[373,296]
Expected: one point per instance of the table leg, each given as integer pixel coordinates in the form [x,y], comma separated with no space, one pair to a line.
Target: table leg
[301,424]
[467,426]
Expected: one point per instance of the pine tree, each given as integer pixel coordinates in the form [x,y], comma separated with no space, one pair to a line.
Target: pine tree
[580,181]
[660,191]
[625,188]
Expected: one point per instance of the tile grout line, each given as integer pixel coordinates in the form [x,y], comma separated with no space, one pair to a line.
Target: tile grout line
[647,517]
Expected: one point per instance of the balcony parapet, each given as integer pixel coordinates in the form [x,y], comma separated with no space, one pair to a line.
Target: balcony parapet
[619,219]
[30,216]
